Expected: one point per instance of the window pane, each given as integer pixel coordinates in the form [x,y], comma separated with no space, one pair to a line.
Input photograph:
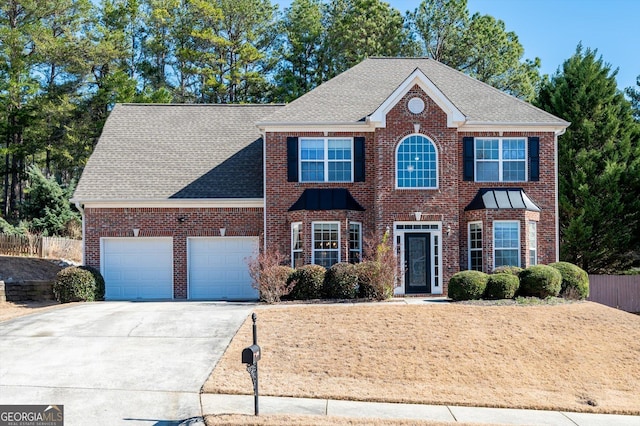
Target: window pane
[312,149]
[339,171]
[487,149]
[312,171]
[513,171]
[513,149]
[506,240]
[325,244]
[339,149]
[487,171]
[416,165]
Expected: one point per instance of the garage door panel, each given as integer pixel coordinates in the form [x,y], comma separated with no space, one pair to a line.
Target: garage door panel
[138,268]
[218,268]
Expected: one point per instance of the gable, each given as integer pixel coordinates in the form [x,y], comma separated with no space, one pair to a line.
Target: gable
[417,78]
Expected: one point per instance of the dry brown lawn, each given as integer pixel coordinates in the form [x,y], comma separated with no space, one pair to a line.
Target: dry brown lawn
[283,419]
[581,357]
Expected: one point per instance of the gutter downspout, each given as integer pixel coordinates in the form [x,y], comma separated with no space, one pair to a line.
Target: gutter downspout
[264,190]
[81,210]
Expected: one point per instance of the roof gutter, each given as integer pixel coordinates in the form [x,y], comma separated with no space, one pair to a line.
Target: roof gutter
[172,203]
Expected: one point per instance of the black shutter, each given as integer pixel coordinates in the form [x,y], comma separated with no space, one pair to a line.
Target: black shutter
[534,159]
[358,159]
[292,159]
[467,158]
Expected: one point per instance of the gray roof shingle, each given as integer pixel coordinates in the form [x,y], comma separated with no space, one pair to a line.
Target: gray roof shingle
[358,92]
[160,152]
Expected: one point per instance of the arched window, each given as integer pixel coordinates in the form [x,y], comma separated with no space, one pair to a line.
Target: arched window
[416,163]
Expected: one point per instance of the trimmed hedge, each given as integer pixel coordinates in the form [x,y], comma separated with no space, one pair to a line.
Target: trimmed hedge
[309,280]
[540,281]
[513,270]
[341,281]
[100,286]
[575,280]
[467,285]
[502,286]
[76,284]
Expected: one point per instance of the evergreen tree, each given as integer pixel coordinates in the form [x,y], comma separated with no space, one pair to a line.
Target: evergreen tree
[479,46]
[357,29]
[47,204]
[634,95]
[300,69]
[599,165]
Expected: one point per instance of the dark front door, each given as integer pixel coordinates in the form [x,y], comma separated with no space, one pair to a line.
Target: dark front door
[417,262]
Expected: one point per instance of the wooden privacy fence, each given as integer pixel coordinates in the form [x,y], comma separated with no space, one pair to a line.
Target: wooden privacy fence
[617,291]
[38,246]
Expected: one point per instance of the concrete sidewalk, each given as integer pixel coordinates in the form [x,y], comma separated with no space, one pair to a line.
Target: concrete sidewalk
[243,404]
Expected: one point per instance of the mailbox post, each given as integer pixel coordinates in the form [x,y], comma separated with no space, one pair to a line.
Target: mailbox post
[250,356]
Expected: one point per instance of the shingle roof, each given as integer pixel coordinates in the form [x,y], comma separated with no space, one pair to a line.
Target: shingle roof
[159,152]
[358,92]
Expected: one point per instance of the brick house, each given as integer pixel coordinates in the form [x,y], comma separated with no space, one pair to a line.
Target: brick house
[461,176]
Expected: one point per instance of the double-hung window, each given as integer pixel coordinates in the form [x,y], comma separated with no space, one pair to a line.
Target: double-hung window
[296,244]
[326,160]
[533,243]
[326,243]
[475,246]
[355,242]
[506,243]
[500,159]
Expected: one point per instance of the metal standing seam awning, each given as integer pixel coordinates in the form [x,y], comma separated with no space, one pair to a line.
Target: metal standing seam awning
[326,199]
[502,198]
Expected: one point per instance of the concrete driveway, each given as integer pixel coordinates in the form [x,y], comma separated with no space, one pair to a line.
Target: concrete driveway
[117,363]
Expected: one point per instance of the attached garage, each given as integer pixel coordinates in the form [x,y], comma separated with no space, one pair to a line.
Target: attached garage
[217,268]
[137,268]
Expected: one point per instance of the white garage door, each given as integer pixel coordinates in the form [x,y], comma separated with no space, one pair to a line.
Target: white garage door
[218,268]
[137,268]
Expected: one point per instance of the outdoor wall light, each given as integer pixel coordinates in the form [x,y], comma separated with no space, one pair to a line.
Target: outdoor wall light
[181,219]
[136,232]
[223,231]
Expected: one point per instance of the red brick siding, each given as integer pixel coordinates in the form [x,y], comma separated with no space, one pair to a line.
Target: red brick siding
[385,204]
[164,222]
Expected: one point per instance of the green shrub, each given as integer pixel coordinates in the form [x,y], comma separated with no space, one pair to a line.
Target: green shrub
[501,286]
[100,286]
[513,270]
[307,282]
[75,284]
[467,285]
[341,281]
[540,281]
[575,280]
[375,280]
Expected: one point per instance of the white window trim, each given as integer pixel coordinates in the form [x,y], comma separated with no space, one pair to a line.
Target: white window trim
[533,249]
[469,249]
[494,240]
[294,225]
[500,160]
[359,240]
[435,147]
[313,239]
[325,160]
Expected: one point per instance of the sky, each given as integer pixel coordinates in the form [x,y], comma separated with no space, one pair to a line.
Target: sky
[552,29]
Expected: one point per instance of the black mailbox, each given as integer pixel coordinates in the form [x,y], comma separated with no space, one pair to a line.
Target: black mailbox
[251,355]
